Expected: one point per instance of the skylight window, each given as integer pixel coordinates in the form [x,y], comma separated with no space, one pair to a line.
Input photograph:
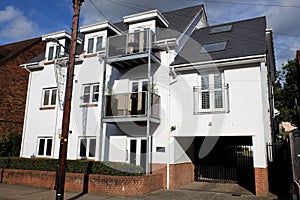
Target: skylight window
[217,46]
[220,29]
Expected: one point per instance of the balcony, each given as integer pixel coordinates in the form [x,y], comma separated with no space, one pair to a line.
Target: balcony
[132,49]
[211,100]
[132,106]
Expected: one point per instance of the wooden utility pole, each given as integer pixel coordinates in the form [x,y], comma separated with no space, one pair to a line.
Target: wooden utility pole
[60,190]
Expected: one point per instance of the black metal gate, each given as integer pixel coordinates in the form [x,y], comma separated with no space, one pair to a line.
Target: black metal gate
[227,162]
[279,167]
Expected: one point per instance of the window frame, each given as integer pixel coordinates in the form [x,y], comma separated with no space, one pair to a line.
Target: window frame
[87,148]
[50,97]
[212,87]
[94,48]
[45,147]
[214,47]
[90,94]
[221,29]
[55,53]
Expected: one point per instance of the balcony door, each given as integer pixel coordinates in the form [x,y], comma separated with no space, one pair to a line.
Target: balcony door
[138,96]
[137,151]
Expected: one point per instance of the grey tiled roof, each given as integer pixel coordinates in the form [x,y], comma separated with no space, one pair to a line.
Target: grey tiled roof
[247,38]
[178,20]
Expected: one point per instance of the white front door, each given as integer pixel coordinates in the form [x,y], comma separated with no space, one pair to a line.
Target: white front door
[136,148]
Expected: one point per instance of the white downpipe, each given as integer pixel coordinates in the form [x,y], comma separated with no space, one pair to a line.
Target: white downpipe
[26,112]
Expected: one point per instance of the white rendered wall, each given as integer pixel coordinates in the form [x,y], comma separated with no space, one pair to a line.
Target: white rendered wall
[85,121]
[246,116]
[39,123]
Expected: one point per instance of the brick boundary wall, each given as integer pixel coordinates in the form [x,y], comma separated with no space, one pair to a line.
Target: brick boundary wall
[181,174]
[261,181]
[160,169]
[114,185]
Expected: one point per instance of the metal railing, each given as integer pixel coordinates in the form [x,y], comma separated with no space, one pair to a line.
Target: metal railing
[130,43]
[213,99]
[132,104]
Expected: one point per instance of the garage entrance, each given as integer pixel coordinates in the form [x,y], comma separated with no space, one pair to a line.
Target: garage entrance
[229,161]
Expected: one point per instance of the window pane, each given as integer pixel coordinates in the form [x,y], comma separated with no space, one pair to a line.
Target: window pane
[92,149]
[218,46]
[99,43]
[218,81]
[90,45]
[86,94]
[41,147]
[50,53]
[95,93]
[145,86]
[204,82]
[218,99]
[82,151]
[53,97]
[135,86]
[205,100]
[57,53]
[49,147]
[46,97]
[221,29]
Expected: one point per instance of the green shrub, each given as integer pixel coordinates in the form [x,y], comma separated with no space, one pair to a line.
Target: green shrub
[73,166]
[10,145]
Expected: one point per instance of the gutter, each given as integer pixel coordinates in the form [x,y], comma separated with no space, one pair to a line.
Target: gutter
[221,63]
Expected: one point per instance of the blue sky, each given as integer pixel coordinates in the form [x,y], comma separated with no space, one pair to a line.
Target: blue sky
[24,19]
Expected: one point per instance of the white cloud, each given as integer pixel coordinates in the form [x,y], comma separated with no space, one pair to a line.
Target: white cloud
[15,25]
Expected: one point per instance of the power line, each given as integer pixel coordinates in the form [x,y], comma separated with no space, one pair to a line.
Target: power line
[98,9]
[252,4]
[128,5]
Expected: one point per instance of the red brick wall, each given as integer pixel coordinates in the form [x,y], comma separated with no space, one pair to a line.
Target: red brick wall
[29,177]
[160,169]
[13,90]
[261,181]
[116,185]
[181,174]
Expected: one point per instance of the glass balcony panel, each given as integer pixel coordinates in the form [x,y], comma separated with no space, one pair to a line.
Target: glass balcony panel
[131,105]
[155,105]
[129,44]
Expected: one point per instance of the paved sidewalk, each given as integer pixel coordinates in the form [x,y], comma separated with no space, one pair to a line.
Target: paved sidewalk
[14,192]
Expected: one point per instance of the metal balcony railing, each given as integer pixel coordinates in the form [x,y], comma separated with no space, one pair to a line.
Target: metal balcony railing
[132,104]
[213,99]
[130,44]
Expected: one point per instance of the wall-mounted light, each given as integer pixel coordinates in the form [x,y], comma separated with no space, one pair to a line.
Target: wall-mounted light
[173,128]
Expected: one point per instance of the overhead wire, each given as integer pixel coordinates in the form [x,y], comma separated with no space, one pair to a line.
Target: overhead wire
[251,4]
[130,5]
[98,9]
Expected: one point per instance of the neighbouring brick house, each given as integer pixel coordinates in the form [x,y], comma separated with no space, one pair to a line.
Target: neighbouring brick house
[14,82]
